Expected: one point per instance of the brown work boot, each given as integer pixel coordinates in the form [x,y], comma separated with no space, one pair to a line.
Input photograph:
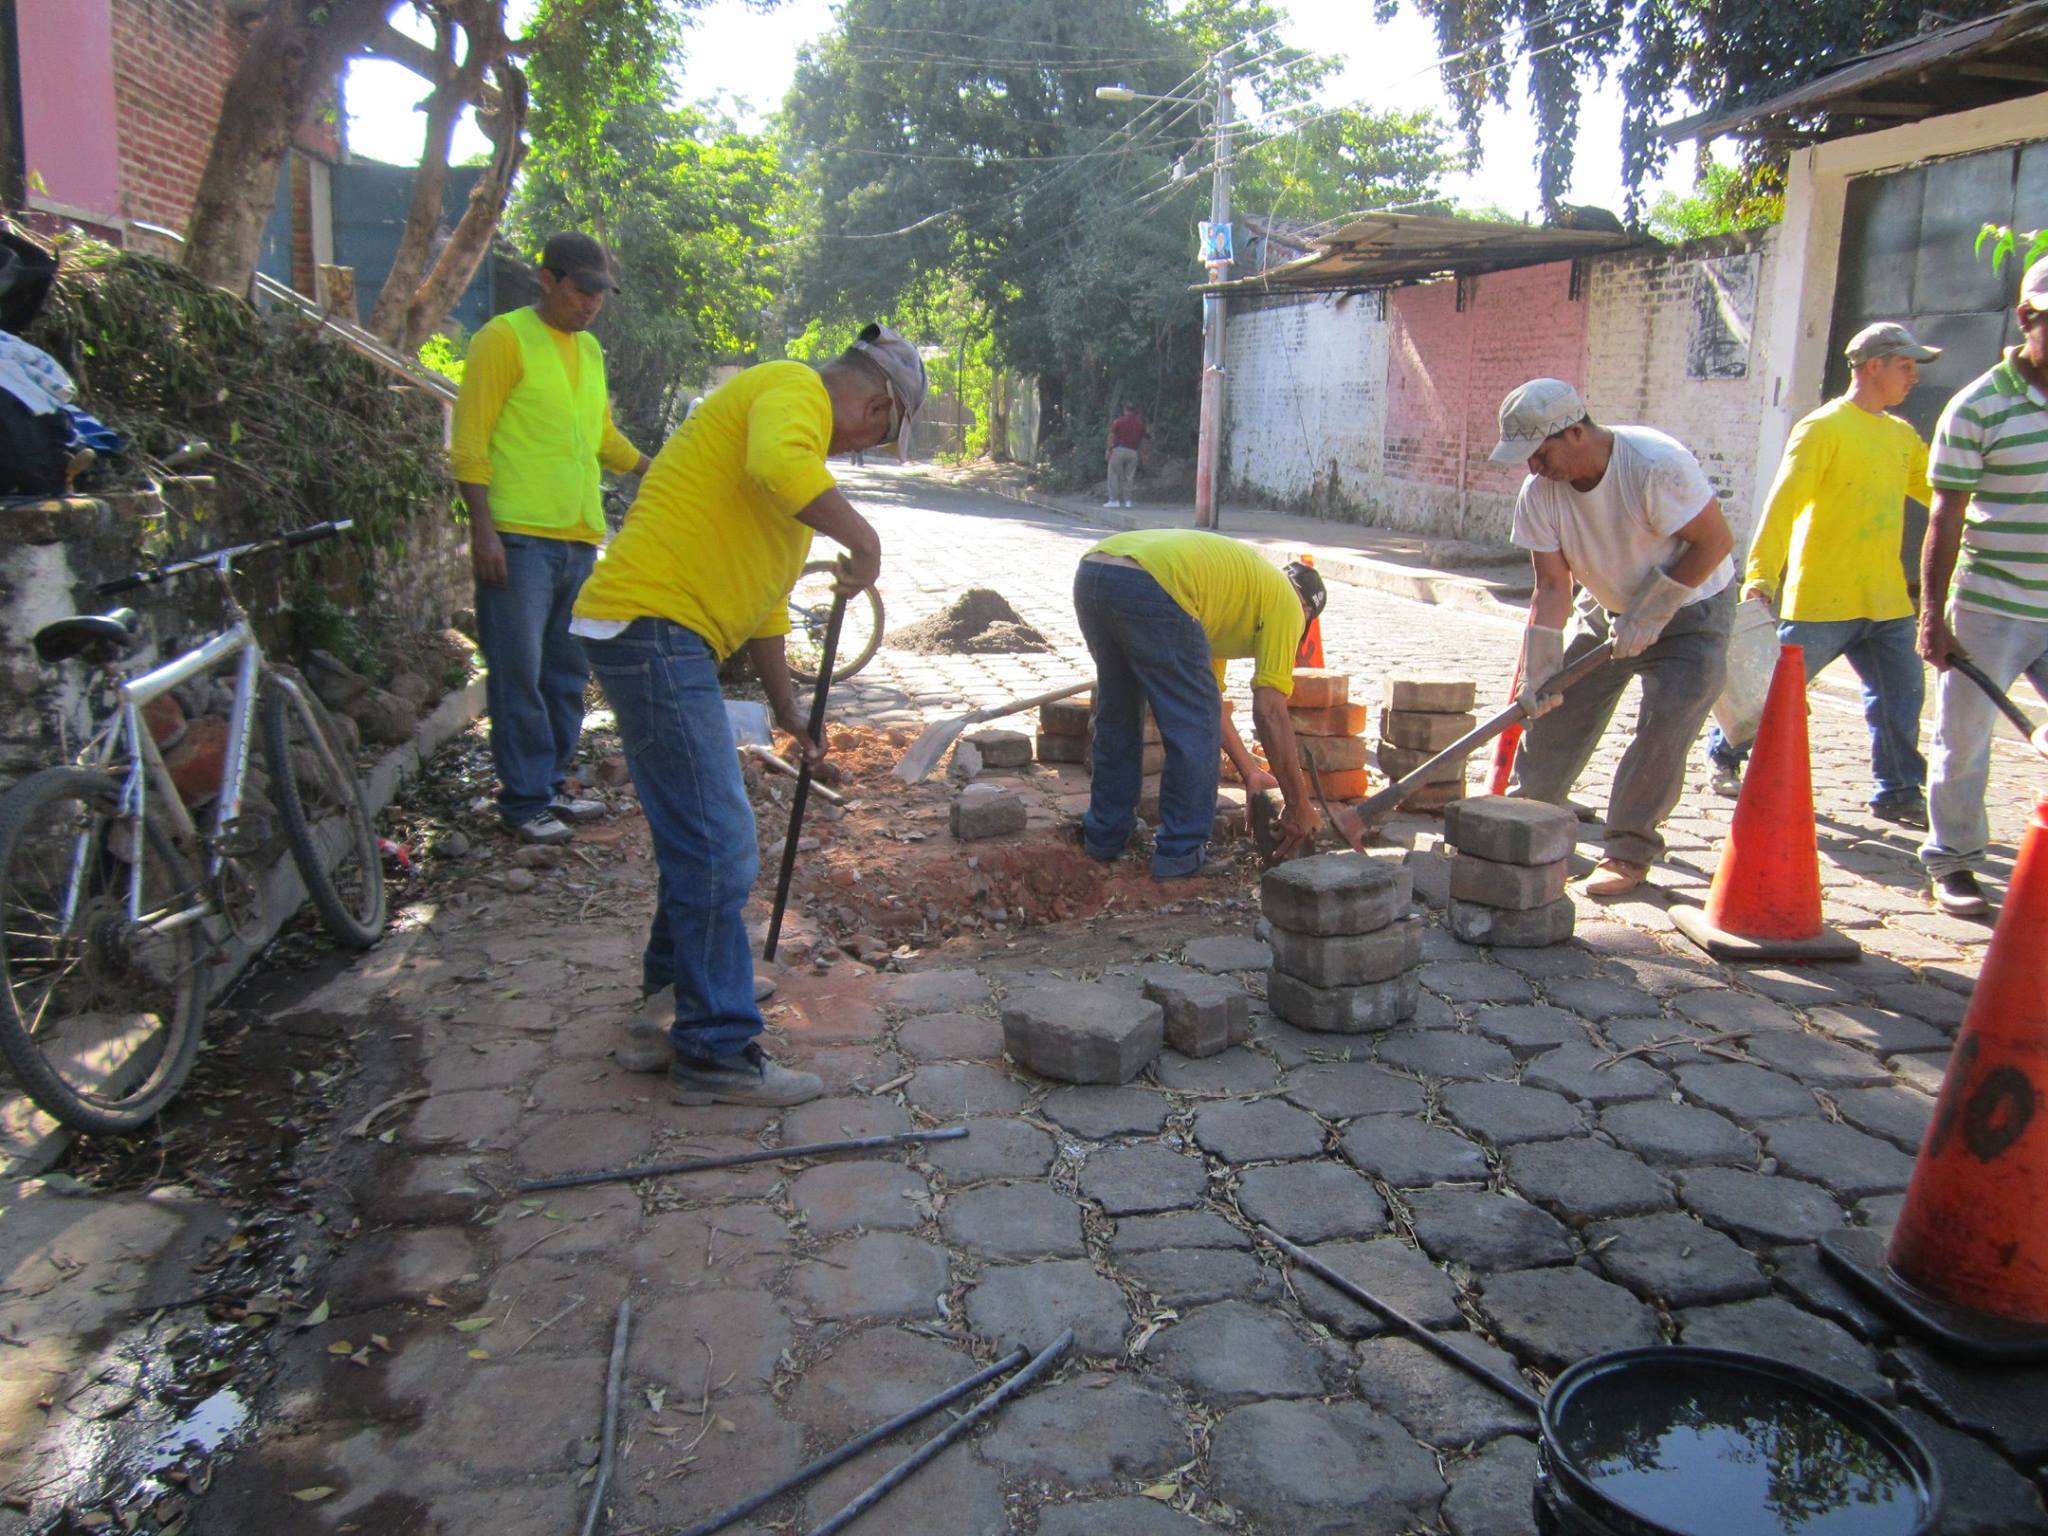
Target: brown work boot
[647,1047]
[1614,877]
[751,1077]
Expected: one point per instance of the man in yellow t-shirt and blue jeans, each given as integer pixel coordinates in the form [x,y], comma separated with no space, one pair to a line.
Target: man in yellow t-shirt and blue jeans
[533,426]
[703,566]
[1826,559]
[1162,609]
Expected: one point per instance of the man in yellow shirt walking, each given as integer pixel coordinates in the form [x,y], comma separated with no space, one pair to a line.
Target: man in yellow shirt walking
[716,538]
[533,424]
[1826,558]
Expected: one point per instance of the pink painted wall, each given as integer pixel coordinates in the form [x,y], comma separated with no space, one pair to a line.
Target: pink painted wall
[70,137]
[1447,370]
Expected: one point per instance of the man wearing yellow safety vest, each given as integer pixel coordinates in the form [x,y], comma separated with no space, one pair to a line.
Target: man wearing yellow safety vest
[533,425]
[703,566]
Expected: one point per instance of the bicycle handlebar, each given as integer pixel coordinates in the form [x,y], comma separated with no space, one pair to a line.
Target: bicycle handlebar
[284,538]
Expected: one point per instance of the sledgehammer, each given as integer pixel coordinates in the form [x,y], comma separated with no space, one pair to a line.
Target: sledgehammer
[2037,735]
[1374,808]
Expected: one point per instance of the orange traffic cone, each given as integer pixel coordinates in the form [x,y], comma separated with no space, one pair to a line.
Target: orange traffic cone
[1310,652]
[1765,900]
[1968,1263]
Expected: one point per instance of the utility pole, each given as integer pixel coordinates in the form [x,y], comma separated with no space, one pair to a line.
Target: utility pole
[1209,431]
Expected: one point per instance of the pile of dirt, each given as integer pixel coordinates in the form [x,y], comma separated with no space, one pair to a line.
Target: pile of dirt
[977,621]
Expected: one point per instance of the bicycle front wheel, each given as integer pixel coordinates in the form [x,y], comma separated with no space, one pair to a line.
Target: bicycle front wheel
[333,840]
[810,610]
[99,1013]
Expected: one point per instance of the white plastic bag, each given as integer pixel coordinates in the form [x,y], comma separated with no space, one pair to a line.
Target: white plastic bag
[1752,657]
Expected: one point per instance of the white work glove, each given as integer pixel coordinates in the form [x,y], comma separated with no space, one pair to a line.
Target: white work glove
[1657,600]
[1542,659]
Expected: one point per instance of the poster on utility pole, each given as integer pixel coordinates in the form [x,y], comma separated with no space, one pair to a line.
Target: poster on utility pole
[1215,242]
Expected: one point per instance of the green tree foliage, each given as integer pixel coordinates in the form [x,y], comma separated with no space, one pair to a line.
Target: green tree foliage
[1663,52]
[1724,200]
[1348,161]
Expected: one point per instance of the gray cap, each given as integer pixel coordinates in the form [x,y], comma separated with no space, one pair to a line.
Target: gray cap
[1887,338]
[2034,286]
[1532,413]
[904,370]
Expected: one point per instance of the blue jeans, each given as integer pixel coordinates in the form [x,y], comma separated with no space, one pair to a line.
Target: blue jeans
[534,688]
[662,682]
[1894,686]
[2007,648]
[1148,650]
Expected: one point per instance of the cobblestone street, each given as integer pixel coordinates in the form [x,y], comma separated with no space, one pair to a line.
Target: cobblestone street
[1610,1142]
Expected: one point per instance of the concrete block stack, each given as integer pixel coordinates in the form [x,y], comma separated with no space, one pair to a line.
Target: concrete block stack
[1345,945]
[1063,730]
[1421,717]
[1151,760]
[1330,730]
[1508,874]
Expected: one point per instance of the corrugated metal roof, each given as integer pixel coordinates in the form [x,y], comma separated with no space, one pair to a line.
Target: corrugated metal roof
[1914,78]
[1387,250]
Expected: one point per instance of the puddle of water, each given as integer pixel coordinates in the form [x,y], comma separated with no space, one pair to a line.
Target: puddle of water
[206,1427]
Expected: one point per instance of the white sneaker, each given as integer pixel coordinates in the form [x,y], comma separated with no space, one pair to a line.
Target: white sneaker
[1108,504]
[544,828]
[1127,504]
[647,1047]
[576,807]
[1725,782]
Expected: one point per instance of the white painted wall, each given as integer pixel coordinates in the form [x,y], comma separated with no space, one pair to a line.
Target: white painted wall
[1306,413]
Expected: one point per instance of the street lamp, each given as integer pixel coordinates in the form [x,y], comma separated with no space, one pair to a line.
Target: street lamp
[1216,252]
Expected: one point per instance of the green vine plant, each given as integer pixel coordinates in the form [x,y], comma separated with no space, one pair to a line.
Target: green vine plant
[2004,240]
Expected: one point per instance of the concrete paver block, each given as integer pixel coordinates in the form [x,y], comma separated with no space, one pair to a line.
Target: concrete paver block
[1002,749]
[1084,1432]
[1336,893]
[1014,1222]
[1512,830]
[1434,797]
[1678,1135]
[1336,720]
[1029,1304]
[1349,959]
[1195,1277]
[1513,887]
[1483,1231]
[1773,1327]
[1557,1316]
[1432,695]
[987,810]
[1418,732]
[1081,1032]
[1583,1180]
[1227,952]
[1504,929]
[1675,1259]
[1234,1352]
[1135,1181]
[1097,1112]
[1385,1267]
[1344,1090]
[1061,749]
[1204,1014]
[1407,1153]
[1332,754]
[1298,1464]
[1257,1131]
[1316,1202]
[1319,688]
[1490,1492]
[1435,1401]
[1067,717]
[1759,1206]
[1342,1010]
[1399,762]
[1503,1114]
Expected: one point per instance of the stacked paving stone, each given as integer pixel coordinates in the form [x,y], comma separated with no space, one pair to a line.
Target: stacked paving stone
[1002,749]
[1507,878]
[1421,717]
[1081,1031]
[1345,946]
[1330,730]
[1063,729]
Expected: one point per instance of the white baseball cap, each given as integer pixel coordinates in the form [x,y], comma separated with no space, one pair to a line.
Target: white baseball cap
[2034,286]
[904,370]
[1887,338]
[1532,413]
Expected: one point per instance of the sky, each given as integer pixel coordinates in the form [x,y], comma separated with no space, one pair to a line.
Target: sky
[749,55]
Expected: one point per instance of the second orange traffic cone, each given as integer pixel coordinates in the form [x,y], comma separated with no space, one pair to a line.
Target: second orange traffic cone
[1765,900]
[1968,1263]
[1310,652]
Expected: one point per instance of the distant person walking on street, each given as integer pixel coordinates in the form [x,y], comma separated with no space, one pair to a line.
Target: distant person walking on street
[1628,514]
[532,428]
[1162,609]
[717,537]
[1826,560]
[1127,434]
[1984,584]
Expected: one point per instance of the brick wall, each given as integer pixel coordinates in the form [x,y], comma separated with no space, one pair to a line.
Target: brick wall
[172,60]
[1400,413]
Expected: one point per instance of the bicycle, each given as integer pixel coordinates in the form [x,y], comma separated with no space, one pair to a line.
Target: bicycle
[113,900]
[810,608]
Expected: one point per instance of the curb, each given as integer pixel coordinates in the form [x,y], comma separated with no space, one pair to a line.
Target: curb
[31,1141]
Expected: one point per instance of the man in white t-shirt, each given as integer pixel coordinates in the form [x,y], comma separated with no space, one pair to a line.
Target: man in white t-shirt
[1627,514]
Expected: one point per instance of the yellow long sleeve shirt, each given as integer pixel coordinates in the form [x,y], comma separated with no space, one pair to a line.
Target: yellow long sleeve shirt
[1828,542]
[490,372]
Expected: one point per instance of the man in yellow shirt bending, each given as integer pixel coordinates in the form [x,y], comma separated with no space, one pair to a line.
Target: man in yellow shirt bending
[533,423]
[715,540]
[1826,558]
[1162,609]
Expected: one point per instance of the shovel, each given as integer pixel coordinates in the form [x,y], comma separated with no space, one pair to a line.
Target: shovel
[925,752]
[2037,735]
[1375,806]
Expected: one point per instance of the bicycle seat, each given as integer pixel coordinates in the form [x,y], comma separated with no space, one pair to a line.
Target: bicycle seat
[96,636]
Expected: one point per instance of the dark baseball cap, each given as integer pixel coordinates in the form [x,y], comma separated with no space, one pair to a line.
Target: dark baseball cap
[582,260]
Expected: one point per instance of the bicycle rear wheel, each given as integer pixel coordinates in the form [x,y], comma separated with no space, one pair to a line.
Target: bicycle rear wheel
[810,608]
[333,840]
[99,1015]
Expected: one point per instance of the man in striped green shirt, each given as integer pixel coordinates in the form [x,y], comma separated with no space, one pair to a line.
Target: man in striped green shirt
[1990,477]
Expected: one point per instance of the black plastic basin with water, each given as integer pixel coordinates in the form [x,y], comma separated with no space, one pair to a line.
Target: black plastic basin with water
[1676,1441]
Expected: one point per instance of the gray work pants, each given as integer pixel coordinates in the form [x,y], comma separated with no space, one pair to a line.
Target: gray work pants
[1123,472]
[1682,676]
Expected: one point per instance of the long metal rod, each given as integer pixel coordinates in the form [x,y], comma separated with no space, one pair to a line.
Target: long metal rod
[615,1381]
[853,1448]
[827,658]
[1507,1386]
[1042,1362]
[764,1155]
